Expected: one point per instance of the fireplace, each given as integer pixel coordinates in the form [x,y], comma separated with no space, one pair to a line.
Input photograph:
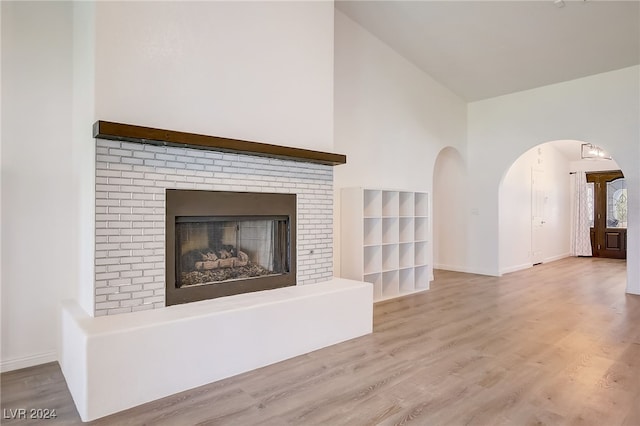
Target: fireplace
[132,185]
[224,243]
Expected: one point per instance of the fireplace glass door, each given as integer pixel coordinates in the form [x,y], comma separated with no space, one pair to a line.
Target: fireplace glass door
[213,250]
[223,243]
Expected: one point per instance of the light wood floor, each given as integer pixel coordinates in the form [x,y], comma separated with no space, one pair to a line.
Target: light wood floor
[556,344]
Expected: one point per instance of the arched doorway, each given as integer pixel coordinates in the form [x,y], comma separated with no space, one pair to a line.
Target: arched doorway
[536,203]
[450,211]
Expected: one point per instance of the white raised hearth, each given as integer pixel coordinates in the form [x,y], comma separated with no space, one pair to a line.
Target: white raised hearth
[116,362]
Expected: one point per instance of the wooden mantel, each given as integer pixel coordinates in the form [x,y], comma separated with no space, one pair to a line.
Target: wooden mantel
[149,135]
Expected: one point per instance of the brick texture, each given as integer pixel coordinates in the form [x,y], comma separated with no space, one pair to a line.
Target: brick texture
[131,180]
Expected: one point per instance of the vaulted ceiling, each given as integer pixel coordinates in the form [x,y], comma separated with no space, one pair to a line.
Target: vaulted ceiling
[483,49]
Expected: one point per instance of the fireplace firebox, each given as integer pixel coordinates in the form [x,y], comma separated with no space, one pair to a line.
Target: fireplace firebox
[224,243]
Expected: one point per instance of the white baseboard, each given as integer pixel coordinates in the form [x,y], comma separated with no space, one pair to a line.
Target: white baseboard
[630,290]
[523,266]
[453,268]
[463,269]
[27,361]
[515,268]
[554,258]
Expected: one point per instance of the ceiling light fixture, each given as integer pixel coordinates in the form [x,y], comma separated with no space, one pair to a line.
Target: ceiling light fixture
[590,151]
[559,3]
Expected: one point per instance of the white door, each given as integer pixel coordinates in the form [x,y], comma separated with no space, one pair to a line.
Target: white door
[537,215]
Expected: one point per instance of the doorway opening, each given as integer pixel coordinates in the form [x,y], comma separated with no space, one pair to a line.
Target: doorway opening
[536,199]
[449,211]
[607,195]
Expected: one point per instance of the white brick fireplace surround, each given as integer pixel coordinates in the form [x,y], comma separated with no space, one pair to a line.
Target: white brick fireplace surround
[131,179]
[134,349]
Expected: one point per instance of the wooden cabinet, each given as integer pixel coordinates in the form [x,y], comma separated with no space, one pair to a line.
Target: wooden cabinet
[385,240]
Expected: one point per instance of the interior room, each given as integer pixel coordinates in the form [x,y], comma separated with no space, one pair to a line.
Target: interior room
[320,212]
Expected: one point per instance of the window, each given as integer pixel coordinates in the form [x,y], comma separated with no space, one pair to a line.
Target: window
[617,203]
[590,202]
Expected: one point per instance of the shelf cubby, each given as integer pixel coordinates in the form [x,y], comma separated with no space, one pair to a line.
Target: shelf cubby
[420,250]
[390,284]
[390,230]
[372,203]
[372,259]
[372,231]
[406,229]
[390,203]
[406,256]
[406,280]
[407,204]
[421,229]
[390,257]
[421,204]
[421,274]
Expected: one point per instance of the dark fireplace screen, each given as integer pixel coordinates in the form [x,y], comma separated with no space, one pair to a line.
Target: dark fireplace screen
[222,243]
[214,250]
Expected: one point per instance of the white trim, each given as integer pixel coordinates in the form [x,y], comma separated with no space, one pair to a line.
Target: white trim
[558,257]
[503,271]
[452,268]
[464,269]
[631,290]
[529,265]
[515,268]
[28,361]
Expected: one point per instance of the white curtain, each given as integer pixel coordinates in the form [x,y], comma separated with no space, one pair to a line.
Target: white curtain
[581,237]
[256,240]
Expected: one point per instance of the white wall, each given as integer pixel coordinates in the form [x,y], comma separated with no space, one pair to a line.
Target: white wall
[556,233]
[603,109]
[593,165]
[38,216]
[515,209]
[260,71]
[391,119]
[83,150]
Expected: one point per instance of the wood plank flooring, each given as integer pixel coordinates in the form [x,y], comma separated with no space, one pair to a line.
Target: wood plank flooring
[557,344]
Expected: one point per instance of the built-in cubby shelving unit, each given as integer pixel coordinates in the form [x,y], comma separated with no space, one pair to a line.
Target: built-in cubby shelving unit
[385,240]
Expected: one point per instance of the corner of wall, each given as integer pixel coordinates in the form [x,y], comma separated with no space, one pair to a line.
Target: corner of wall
[83,149]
